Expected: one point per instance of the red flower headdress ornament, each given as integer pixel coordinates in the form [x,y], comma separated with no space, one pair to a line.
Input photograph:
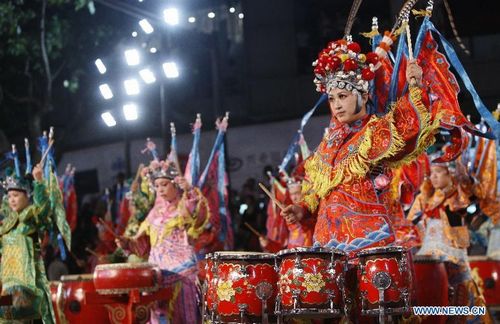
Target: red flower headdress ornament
[342,65]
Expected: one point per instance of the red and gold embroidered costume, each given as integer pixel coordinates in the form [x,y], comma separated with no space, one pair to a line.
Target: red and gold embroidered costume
[348,174]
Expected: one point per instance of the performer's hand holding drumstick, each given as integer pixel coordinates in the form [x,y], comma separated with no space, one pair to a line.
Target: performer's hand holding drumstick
[262,239]
[291,213]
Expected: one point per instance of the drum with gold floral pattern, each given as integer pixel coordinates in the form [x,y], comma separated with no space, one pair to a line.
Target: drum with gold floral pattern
[245,286]
[71,301]
[121,278]
[311,282]
[385,281]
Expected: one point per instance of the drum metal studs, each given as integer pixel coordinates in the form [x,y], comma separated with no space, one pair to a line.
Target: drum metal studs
[331,296]
[298,269]
[340,282]
[406,298]
[295,298]
[331,270]
[243,271]
[403,265]
[363,299]
[361,267]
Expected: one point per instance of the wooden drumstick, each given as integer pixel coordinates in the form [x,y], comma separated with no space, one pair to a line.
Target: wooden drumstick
[413,81]
[94,253]
[270,195]
[107,228]
[253,230]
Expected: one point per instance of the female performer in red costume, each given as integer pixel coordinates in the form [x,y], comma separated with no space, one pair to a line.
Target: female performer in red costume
[348,175]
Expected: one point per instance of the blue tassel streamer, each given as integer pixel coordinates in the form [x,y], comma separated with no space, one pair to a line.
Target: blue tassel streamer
[62,248]
[294,145]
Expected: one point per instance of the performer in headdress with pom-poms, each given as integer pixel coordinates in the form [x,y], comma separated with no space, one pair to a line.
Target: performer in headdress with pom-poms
[32,207]
[176,219]
[351,168]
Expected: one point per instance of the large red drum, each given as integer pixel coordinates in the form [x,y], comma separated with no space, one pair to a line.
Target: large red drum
[311,282]
[71,299]
[385,281]
[121,278]
[485,272]
[246,286]
[431,285]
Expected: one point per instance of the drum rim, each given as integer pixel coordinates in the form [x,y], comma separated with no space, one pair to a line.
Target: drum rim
[114,266]
[426,258]
[317,250]
[375,250]
[77,277]
[223,255]
[480,258]
[310,311]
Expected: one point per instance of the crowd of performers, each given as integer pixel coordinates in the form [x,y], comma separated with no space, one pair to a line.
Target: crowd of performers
[398,169]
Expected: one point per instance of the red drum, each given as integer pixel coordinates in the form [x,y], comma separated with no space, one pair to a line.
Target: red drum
[71,299]
[431,285]
[311,282]
[385,281]
[246,286]
[210,285]
[121,278]
[485,273]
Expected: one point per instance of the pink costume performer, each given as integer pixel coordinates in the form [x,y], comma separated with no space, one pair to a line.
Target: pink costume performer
[176,219]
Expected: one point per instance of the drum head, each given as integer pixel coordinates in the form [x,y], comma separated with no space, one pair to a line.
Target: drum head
[382,250]
[426,259]
[310,250]
[78,277]
[112,266]
[241,255]
[478,258]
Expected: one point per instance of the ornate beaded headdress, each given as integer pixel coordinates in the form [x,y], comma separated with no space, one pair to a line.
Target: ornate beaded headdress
[342,65]
[14,180]
[163,169]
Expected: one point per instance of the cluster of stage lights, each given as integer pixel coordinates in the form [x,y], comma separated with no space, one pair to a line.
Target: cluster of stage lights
[171,17]
[131,85]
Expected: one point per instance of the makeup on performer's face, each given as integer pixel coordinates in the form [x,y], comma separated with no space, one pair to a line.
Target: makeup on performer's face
[166,188]
[343,105]
[18,200]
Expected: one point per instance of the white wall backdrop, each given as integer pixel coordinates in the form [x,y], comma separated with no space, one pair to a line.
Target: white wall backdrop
[250,149]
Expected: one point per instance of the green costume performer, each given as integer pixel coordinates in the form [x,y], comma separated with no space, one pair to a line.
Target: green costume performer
[24,225]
